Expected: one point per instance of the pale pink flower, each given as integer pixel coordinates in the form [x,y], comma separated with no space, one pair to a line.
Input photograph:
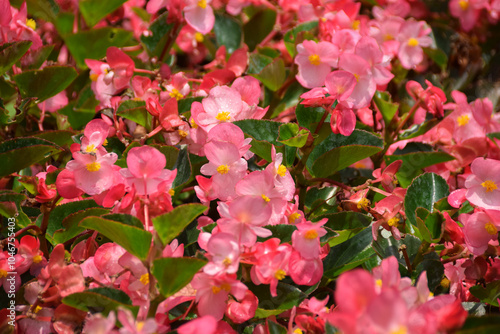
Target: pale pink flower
[479,229]
[224,252]
[413,36]
[306,239]
[467,11]
[201,325]
[199,15]
[483,185]
[315,61]
[98,324]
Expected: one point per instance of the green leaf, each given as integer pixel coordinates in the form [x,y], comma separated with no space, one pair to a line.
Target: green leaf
[438,56]
[46,82]
[308,117]
[46,10]
[434,269]
[100,300]
[346,220]
[169,225]
[160,32]
[290,135]
[36,58]
[264,134]
[125,219]
[183,166]
[430,225]
[287,297]
[488,294]
[94,43]
[390,247]
[291,35]
[349,254]
[418,129]
[171,154]
[274,328]
[489,324]
[78,119]
[385,105]
[94,11]
[257,62]
[135,240]
[493,135]
[282,231]
[424,191]
[10,53]
[60,212]
[59,137]
[272,75]
[337,152]
[135,111]
[227,32]
[174,273]
[19,153]
[259,26]
[70,224]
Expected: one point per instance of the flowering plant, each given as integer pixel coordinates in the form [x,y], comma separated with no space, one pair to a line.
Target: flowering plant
[249,166]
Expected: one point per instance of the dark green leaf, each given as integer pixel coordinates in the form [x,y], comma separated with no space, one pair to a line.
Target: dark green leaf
[418,129]
[19,153]
[135,111]
[78,119]
[346,220]
[259,26]
[438,56]
[10,53]
[59,137]
[288,297]
[171,154]
[135,240]
[430,225]
[100,300]
[390,247]
[489,324]
[183,166]
[160,32]
[488,294]
[70,224]
[46,82]
[272,75]
[434,269]
[264,134]
[125,219]
[60,212]
[36,58]
[308,117]
[227,32]
[274,328]
[174,273]
[291,35]
[169,225]
[94,43]
[94,11]
[337,152]
[257,62]
[424,191]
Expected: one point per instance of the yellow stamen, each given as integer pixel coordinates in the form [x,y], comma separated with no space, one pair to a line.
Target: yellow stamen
[216,289]
[171,192]
[139,325]
[199,37]
[144,279]
[297,331]
[94,77]
[356,24]
[393,221]
[31,23]
[489,185]
[3,273]
[464,5]
[356,76]
[281,171]
[363,203]
[388,37]
[176,94]
[265,198]
[490,228]
[445,283]
[227,261]
[37,309]
[105,142]
[293,217]
[202,4]
[314,59]
[412,42]
[401,330]
[193,123]
[93,167]
[311,234]
[378,283]
[463,120]
[223,116]
[91,149]
[280,274]
[37,259]
[182,133]
[223,169]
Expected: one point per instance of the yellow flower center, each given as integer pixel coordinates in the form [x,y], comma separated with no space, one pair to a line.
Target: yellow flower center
[463,4]
[182,133]
[223,169]
[176,94]
[412,42]
[94,77]
[223,116]
[215,289]
[356,76]
[297,331]
[3,273]
[171,192]
[105,142]
[388,37]
[227,261]
[37,309]
[202,4]
[281,170]
[31,23]
[314,59]
[93,167]
[401,330]
[445,283]
[224,286]
[363,203]
[489,185]
[199,37]
[378,283]
[91,149]
[293,217]
[193,123]
[139,325]
[311,234]
[265,198]
[490,228]
[37,259]
[463,120]
[144,279]
[280,274]
[393,221]
[356,24]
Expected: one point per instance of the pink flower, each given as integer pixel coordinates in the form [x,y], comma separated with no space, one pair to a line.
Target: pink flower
[146,170]
[340,84]
[239,312]
[202,325]
[224,254]
[199,15]
[315,61]
[343,120]
[121,68]
[467,11]
[412,37]
[306,239]
[479,229]
[483,185]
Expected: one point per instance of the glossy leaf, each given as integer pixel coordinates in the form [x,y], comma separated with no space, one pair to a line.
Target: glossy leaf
[160,32]
[308,117]
[337,152]
[259,26]
[288,297]
[19,153]
[291,135]
[135,240]
[424,191]
[174,273]
[227,32]
[488,294]
[264,134]
[169,225]
[135,111]
[63,211]
[70,224]
[291,36]
[94,11]
[183,166]
[46,82]
[430,225]
[10,53]
[102,300]
[272,75]
[386,107]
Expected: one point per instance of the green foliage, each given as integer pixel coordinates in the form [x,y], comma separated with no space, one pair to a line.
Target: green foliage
[174,273]
[46,82]
[94,11]
[169,225]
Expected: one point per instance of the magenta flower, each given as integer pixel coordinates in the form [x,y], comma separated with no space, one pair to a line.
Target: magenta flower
[315,61]
[483,185]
